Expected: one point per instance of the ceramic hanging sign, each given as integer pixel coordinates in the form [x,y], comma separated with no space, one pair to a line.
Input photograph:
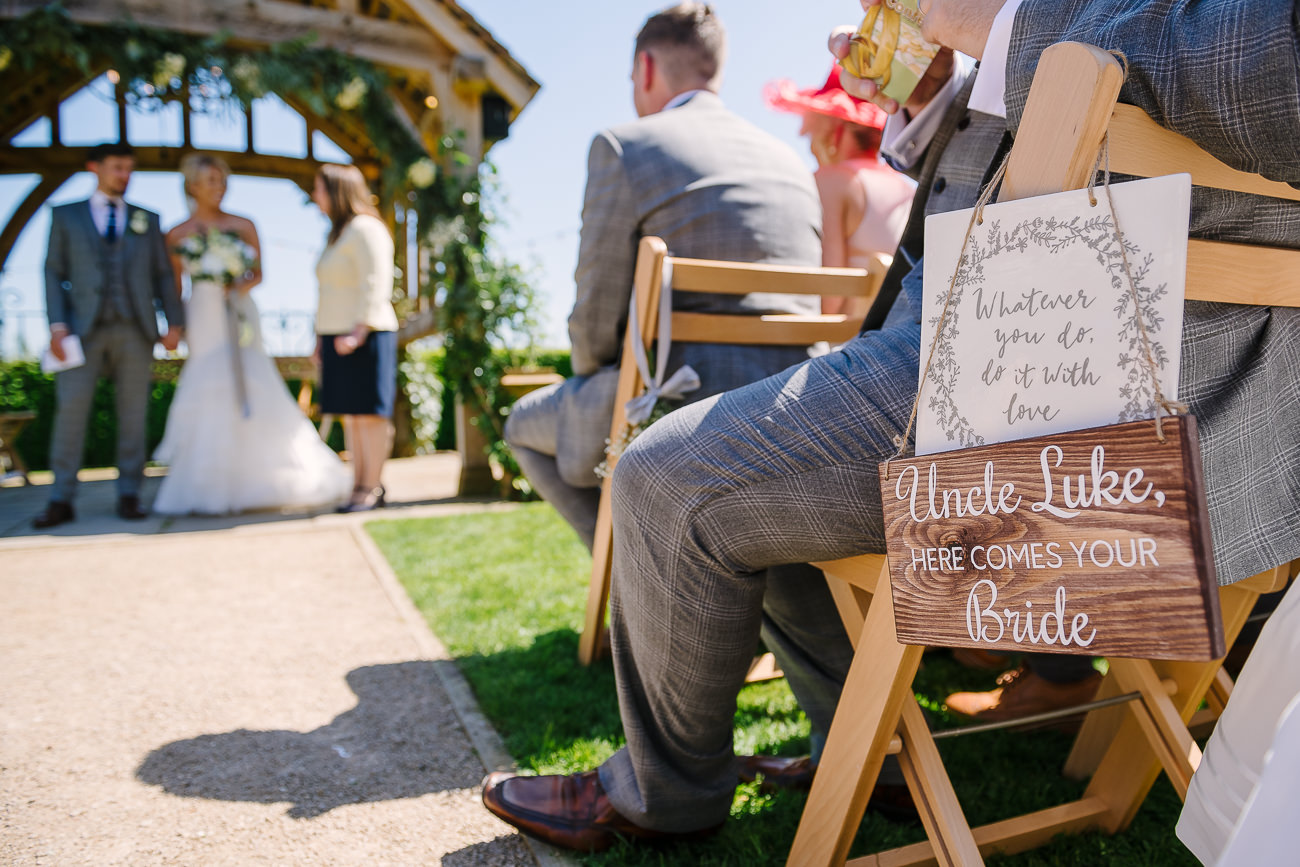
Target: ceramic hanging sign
[1041,334]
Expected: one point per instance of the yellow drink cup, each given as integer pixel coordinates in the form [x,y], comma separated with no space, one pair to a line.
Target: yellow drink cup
[889,49]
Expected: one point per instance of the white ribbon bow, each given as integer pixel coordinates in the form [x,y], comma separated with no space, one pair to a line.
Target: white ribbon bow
[683,380]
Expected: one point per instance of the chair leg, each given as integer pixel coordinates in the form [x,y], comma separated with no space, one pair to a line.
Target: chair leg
[1130,766]
[932,792]
[592,641]
[878,684]
[1164,727]
[1096,733]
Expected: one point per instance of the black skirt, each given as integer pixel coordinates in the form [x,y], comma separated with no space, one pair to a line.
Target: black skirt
[363,383]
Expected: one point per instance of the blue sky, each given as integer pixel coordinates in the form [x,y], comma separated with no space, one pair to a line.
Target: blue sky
[580,51]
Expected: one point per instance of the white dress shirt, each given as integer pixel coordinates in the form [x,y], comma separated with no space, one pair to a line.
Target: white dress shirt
[903,142]
[99,205]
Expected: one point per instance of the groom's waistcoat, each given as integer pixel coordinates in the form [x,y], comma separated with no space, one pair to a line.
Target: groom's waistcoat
[115,299]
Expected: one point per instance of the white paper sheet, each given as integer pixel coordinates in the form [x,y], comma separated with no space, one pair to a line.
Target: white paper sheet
[74,356]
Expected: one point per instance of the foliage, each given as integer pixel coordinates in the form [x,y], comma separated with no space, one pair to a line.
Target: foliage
[433,360]
[481,297]
[421,376]
[24,387]
[505,593]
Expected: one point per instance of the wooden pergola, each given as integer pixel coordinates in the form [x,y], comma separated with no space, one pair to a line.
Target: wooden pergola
[448,75]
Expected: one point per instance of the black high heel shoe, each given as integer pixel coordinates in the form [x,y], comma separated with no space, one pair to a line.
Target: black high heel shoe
[378,502]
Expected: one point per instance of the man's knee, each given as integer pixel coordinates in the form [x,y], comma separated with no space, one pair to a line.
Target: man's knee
[642,469]
[512,430]
[531,422]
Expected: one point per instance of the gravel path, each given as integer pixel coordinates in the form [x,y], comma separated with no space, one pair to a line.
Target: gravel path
[249,694]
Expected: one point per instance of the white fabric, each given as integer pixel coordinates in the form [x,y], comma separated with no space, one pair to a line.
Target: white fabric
[221,462]
[1241,806]
[99,205]
[683,380]
[903,141]
[988,93]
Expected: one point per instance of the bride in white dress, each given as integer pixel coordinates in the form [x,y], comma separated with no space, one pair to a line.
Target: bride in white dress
[231,449]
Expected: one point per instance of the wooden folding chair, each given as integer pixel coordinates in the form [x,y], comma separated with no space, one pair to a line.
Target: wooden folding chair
[1122,747]
[731,278]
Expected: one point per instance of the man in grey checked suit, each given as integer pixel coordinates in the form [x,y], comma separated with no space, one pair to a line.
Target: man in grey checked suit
[106,274]
[793,459]
[712,186]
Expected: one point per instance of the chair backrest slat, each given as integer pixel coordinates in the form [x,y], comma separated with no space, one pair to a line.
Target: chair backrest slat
[1140,146]
[737,278]
[775,330]
[1242,274]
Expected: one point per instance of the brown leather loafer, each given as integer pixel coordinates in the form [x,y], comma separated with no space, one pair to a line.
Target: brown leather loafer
[569,812]
[1021,693]
[128,508]
[55,513]
[980,660]
[777,772]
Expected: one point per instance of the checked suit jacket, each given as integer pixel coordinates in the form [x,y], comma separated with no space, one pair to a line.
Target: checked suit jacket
[1226,74]
[74,280]
[712,186]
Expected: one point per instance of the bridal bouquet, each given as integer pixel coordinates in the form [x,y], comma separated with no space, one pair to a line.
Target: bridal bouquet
[218,256]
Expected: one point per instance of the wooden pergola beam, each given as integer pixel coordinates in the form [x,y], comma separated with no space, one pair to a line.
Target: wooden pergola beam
[23,213]
[29,98]
[260,22]
[512,83]
[53,161]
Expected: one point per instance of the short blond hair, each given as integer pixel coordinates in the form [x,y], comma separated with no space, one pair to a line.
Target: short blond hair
[195,164]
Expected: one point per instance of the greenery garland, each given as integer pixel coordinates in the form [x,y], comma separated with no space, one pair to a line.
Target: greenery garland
[480,298]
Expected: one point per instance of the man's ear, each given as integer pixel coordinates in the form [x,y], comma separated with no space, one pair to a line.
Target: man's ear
[648,71]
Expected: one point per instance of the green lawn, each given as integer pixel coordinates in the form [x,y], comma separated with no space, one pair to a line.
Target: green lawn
[505,590]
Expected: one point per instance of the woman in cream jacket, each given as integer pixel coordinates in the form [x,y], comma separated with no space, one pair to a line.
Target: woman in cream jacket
[356,326]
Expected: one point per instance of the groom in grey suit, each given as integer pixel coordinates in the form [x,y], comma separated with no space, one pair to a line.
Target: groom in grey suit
[785,470]
[712,186]
[106,274]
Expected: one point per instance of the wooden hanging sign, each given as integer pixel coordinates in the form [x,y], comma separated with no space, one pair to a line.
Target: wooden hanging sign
[1088,542]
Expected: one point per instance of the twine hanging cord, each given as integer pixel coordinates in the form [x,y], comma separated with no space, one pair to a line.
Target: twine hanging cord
[1164,405]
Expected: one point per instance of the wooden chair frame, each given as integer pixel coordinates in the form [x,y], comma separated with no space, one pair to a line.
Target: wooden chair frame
[732,278]
[1123,748]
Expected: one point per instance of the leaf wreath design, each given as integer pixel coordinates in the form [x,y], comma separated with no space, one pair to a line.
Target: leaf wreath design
[1055,236]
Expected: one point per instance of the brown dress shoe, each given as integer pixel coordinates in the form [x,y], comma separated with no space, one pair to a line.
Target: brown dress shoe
[128,507]
[569,812]
[1022,693]
[980,660]
[777,772]
[55,513]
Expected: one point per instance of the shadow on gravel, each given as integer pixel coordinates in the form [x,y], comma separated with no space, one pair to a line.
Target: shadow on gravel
[391,745]
[501,852]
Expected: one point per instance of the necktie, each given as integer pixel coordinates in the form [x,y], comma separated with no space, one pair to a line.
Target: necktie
[110,234]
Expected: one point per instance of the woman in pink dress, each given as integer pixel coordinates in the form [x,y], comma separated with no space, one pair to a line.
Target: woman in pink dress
[865,203]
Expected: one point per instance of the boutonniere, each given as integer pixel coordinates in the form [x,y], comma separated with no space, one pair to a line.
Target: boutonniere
[139,222]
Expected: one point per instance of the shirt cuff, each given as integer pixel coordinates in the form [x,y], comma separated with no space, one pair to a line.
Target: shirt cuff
[988,95]
[903,141]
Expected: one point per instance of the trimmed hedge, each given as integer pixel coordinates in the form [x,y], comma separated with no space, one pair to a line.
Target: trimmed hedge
[24,387]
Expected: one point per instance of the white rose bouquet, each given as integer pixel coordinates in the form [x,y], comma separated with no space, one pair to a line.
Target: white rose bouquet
[218,256]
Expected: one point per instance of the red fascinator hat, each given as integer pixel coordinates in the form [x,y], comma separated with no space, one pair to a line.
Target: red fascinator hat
[830,98]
